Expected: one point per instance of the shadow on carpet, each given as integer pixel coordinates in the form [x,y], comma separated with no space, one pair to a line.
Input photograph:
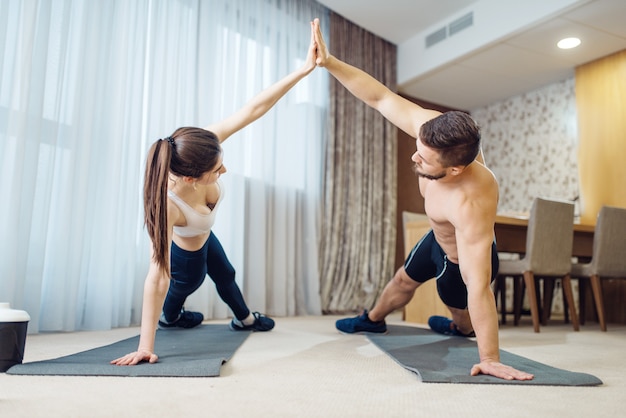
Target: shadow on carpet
[438,358]
[197,352]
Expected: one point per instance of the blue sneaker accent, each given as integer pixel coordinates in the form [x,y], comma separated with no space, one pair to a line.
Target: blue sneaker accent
[186,319]
[261,323]
[445,326]
[359,324]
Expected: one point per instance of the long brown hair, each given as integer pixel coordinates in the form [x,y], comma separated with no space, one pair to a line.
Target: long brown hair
[187,152]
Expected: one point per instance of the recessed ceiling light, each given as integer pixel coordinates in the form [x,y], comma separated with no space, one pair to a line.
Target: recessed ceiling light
[568,43]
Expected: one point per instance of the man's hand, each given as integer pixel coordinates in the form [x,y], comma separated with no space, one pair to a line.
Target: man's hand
[500,370]
[135,358]
[322,51]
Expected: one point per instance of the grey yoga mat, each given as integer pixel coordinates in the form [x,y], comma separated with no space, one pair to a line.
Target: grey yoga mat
[196,352]
[438,358]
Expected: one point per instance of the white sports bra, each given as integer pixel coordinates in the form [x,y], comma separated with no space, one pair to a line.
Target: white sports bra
[197,223]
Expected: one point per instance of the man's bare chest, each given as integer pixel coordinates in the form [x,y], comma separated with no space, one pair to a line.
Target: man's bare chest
[437,203]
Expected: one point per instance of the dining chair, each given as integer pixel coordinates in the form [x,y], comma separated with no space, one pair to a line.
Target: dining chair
[608,258]
[549,240]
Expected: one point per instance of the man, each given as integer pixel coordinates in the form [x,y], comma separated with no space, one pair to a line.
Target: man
[461,197]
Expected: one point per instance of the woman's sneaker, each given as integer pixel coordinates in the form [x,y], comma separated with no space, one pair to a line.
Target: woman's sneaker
[359,324]
[261,323]
[445,326]
[186,319]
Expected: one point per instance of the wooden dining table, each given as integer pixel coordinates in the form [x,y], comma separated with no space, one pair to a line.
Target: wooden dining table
[511,229]
[511,236]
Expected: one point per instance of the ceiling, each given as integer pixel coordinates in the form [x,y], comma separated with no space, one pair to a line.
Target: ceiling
[509,49]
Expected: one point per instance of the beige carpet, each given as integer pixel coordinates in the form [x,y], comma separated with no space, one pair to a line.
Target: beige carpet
[305,368]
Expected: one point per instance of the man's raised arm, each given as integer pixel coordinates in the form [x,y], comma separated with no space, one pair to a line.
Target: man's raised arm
[403,113]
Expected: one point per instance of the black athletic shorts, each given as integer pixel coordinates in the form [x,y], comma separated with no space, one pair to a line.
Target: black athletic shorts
[428,261]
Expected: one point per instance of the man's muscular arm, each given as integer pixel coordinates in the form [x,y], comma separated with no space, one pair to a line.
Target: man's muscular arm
[404,114]
[474,236]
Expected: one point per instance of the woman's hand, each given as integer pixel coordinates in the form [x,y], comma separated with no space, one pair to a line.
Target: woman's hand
[321,51]
[311,57]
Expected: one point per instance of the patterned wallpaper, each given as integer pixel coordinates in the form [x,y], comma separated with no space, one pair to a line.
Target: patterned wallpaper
[530,143]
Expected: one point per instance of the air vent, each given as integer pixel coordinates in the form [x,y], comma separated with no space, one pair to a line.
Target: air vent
[436,37]
[461,23]
[455,26]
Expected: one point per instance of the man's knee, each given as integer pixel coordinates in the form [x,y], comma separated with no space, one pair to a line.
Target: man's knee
[402,280]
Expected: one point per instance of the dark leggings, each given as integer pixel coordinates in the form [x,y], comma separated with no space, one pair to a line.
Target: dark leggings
[189,268]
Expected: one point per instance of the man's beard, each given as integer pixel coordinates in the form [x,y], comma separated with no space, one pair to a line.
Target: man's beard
[429,176]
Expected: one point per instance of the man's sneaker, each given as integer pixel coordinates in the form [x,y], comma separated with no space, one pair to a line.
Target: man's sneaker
[261,323]
[359,324]
[186,319]
[445,326]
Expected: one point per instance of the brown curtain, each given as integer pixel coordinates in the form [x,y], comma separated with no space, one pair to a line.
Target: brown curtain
[357,248]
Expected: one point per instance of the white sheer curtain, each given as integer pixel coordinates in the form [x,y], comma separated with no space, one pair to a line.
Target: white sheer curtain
[86,86]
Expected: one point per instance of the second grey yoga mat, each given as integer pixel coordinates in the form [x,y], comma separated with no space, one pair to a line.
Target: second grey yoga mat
[438,358]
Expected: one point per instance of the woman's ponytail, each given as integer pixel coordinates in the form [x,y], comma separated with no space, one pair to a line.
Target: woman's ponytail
[155,199]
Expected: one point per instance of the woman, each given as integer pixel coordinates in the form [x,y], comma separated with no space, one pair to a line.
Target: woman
[182,192]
